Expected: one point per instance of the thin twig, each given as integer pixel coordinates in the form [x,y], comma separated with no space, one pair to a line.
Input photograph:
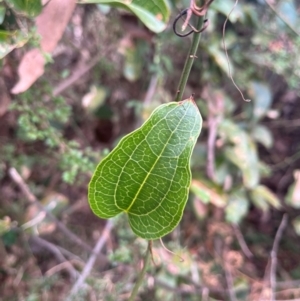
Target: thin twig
[226,53]
[89,265]
[242,242]
[273,255]
[229,282]
[151,90]
[142,273]
[213,122]
[169,251]
[78,74]
[60,267]
[215,112]
[57,253]
[205,294]
[297,299]
[70,255]
[195,289]
[287,284]
[16,177]
[283,123]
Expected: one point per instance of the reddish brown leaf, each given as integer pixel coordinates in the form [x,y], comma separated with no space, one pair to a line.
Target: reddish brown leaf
[51,24]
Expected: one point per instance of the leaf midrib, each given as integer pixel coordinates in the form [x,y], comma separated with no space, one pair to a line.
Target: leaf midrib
[158,157]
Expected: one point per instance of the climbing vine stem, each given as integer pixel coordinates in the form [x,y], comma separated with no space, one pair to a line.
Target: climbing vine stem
[189,61]
[182,83]
[141,276]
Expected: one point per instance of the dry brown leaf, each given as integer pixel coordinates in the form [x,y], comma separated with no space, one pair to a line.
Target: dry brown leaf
[30,69]
[51,24]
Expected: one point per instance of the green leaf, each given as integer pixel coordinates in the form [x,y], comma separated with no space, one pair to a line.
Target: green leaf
[219,57]
[94,99]
[262,99]
[5,225]
[30,8]
[153,13]
[11,40]
[2,13]
[243,154]
[262,196]
[208,194]
[296,224]
[288,10]
[263,135]
[132,66]
[148,174]
[293,195]
[105,9]
[224,7]
[237,208]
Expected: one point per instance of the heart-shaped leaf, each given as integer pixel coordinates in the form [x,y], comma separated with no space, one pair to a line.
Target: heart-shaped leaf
[148,174]
[153,13]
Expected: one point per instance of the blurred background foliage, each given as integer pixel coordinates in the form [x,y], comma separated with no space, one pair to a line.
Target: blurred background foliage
[115,63]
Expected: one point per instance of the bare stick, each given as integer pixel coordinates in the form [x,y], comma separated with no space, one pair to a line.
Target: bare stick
[57,253]
[89,265]
[297,299]
[16,177]
[241,241]
[273,255]
[151,89]
[196,289]
[226,53]
[229,281]
[169,251]
[79,73]
[213,122]
[205,294]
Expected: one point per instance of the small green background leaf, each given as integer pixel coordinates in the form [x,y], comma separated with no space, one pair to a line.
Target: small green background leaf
[237,208]
[243,153]
[30,8]
[208,194]
[148,174]
[11,40]
[2,13]
[262,197]
[153,13]
[293,195]
[263,135]
[262,99]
